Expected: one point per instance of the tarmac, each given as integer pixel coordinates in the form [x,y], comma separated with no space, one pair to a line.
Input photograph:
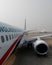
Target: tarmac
[27,56]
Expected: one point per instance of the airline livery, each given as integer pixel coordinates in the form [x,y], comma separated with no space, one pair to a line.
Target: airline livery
[12,37]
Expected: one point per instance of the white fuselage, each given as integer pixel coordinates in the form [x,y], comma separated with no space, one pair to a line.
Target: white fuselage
[9,37]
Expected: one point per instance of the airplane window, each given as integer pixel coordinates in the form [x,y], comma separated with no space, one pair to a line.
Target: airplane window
[6,37]
[2,38]
[17,34]
[10,37]
[14,35]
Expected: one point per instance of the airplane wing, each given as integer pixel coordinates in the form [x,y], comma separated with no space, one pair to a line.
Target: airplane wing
[38,37]
[40,46]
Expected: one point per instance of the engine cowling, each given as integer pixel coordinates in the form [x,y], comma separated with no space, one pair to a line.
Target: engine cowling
[41,47]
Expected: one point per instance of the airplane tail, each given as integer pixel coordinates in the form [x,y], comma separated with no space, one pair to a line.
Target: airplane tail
[25,25]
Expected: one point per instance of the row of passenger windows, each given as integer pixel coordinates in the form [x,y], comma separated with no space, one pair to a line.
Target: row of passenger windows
[8,37]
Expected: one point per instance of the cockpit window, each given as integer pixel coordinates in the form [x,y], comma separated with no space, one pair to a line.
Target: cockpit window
[2,39]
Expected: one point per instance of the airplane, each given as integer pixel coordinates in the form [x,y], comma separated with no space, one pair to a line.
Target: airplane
[12,37]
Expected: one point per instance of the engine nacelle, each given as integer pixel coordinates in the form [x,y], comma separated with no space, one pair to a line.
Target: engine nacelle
[41,47]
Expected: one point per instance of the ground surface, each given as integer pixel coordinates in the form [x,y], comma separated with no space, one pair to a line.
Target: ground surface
[27,56]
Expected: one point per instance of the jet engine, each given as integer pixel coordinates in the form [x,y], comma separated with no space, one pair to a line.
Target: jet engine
[40,47]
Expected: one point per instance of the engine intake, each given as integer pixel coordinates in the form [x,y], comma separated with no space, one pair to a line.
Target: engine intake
[41,47]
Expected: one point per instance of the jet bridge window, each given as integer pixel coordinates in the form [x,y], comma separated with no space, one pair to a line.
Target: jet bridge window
[2,39]
[6,37]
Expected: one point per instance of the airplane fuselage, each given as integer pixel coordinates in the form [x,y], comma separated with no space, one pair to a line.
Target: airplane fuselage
[9,38]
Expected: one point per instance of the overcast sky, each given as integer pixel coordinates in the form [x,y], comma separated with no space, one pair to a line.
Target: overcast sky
[38,13]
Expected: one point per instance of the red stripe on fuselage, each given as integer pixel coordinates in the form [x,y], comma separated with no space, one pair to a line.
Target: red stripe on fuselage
[9,50]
